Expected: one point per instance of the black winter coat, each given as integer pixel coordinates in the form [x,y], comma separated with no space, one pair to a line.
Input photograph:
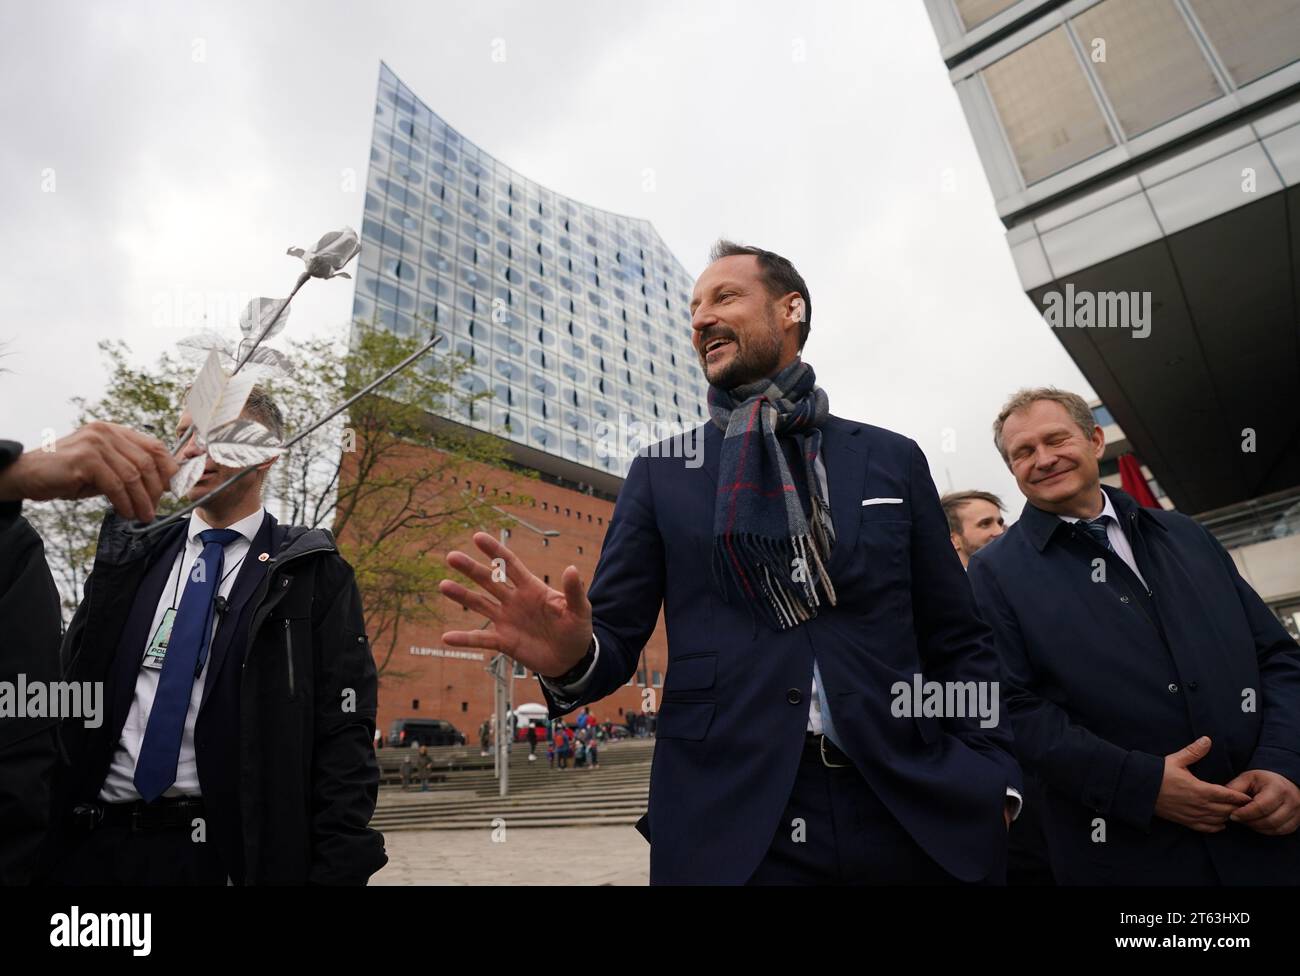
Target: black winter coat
[30,623]
[285,736]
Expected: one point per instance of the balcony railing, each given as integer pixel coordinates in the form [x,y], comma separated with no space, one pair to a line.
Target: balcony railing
[1261,520]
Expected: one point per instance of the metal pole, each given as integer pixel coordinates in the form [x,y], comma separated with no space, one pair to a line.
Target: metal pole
[494,667]
[505,676]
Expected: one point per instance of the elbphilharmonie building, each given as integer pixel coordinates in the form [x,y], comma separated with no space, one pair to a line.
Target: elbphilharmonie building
[574,317]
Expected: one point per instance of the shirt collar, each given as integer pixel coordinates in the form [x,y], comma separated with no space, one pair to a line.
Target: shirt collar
[1106,509]
[1040,526]
[246,526]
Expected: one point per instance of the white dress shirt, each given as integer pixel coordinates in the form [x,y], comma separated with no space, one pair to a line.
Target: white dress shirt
[1115,533]
[119,786]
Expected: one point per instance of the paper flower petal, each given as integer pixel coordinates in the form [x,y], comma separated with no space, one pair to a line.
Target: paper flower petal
[272,360]
[187,476]
[258,315]
[241,443]
[196,347]
[217,398]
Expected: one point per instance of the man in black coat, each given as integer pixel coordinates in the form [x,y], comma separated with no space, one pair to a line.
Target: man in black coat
[29,609]
[132,469]
[250,759]
[1150,689]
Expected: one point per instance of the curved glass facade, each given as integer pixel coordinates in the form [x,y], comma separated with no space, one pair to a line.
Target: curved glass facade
[572,316]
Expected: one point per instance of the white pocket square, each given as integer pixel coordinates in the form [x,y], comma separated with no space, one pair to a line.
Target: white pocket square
[882,501]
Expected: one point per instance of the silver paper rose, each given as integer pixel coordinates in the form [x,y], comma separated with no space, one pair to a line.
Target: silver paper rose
[331,253]
[220,390]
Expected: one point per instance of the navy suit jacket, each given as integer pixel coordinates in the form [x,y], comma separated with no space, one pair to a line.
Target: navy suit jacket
[1106,679]
[735,700]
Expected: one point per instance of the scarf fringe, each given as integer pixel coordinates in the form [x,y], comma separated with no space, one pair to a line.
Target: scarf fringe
[765,574]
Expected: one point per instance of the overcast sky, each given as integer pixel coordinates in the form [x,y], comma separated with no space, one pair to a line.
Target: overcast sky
[158,158]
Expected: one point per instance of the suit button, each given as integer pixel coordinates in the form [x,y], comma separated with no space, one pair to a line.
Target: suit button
[1192,685]
[1123,599]
[1173,688]
[794,696]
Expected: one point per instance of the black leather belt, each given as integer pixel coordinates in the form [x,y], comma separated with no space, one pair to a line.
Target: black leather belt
[166,813]
[827,751]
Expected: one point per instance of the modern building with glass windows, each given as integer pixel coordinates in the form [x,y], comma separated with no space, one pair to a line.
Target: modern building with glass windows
[573,316]
[1147,153]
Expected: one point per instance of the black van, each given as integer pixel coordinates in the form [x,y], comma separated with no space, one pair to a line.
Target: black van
[424,732]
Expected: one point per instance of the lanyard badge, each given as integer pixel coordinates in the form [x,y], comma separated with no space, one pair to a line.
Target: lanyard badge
[156,652]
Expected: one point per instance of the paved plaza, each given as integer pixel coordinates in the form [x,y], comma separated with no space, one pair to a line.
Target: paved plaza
[527,856]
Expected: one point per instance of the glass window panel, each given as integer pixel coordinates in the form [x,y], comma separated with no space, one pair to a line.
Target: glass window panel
[1051,118]
[403,219]
[1251,38]
[1153,70]
[398,268]
[394,321]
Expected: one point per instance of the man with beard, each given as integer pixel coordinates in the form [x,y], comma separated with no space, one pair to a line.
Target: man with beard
[974,520]
[807,579]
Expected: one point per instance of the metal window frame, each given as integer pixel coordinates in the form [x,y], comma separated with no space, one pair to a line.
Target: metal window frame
[1065,16]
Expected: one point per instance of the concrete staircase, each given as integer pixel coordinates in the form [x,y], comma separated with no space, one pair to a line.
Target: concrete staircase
[466,798]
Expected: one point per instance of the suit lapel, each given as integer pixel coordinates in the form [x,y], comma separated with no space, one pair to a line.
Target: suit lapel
[845,455]
[251,574]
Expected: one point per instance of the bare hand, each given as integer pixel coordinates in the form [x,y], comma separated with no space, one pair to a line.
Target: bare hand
[1275,807]
[130,468]
[1192,802]
[540,627]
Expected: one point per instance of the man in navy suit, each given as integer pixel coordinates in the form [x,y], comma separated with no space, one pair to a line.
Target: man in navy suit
[815,608]
[1151,690]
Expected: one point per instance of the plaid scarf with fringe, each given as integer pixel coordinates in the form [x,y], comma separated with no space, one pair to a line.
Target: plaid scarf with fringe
[762,542]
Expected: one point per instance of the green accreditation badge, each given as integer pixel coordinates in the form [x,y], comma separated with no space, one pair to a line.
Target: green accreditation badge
[157,649]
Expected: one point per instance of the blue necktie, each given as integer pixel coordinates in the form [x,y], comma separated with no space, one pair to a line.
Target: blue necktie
[155,770]
[1097,529]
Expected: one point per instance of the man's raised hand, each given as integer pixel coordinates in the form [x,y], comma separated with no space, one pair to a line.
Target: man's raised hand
[130,468]
[542,628]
